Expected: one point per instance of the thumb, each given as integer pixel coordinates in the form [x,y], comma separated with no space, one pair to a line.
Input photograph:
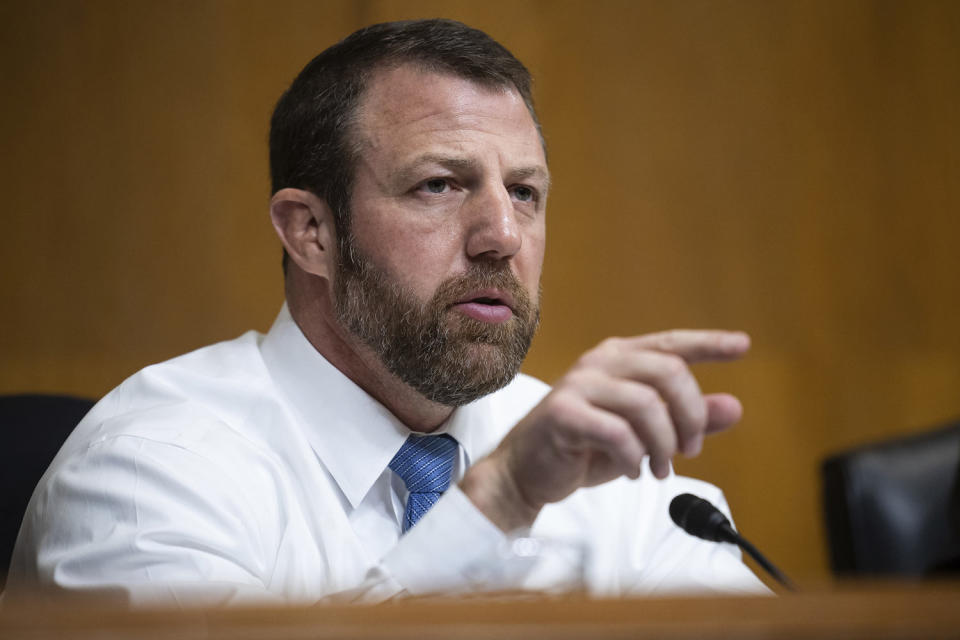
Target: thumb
[723,411]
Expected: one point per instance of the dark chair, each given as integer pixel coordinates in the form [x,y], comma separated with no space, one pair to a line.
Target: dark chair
[34,427]
[893,508]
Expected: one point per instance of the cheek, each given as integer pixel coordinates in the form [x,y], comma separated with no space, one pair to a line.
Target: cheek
[423,247]
[535,244]
[420,259]
[383,228]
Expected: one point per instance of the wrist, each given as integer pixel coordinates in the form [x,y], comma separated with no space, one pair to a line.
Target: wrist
[492,490]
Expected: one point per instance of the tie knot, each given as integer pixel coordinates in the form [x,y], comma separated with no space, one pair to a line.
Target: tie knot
[425,462]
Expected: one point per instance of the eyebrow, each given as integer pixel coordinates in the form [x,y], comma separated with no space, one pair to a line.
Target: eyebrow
[407,172]
[522,173]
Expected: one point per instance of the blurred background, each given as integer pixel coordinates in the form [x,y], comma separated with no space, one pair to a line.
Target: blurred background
[786,167]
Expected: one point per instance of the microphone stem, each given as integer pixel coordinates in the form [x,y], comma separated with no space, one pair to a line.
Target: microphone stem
[751,550]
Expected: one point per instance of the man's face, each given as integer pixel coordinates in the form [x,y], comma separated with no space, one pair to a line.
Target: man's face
[440,276]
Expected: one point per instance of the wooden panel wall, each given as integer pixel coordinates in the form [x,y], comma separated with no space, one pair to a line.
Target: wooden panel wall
[788,168]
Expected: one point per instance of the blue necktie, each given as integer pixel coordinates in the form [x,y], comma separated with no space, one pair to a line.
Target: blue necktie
[424,463]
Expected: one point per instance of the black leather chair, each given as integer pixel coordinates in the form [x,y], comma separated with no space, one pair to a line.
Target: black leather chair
[34,427]
[893,508]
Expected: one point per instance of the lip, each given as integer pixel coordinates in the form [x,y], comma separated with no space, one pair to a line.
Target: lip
[501,297]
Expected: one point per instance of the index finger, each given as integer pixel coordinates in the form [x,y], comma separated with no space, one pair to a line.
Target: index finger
[694,345]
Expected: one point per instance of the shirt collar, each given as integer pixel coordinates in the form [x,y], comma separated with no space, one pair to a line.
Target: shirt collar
[354,436]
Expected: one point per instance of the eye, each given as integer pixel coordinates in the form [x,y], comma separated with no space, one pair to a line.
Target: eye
[524,194]
[436,185]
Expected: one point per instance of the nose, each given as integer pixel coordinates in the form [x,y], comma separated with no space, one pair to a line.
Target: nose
[493,231]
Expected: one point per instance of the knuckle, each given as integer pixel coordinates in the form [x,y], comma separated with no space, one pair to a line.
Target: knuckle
[620,440]
[585,360]
[698,415]
[674,366]
[611,345]
[564,406]
[613,432]
[645,399]
[662,340]
[578,379]
[589,360]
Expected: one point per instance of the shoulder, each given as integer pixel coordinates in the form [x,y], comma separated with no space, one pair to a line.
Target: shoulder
[520,396]
[205,382]
[207,374]
[206,407]
[182,439]
[528,385]
[481,425]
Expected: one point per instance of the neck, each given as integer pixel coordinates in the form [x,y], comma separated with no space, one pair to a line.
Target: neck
[312,309]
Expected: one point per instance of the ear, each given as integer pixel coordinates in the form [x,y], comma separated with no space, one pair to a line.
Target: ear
[304,223]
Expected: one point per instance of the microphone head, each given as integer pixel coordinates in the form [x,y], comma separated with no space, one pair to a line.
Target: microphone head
[699,518]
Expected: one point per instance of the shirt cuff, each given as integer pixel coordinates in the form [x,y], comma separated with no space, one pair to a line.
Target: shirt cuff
[452,549]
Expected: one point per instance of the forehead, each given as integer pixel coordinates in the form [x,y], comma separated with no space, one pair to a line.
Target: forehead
[406,108]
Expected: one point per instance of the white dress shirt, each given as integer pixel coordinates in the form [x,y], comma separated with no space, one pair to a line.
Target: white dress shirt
[253,470]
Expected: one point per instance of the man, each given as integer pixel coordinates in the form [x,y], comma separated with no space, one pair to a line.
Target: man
[410,185]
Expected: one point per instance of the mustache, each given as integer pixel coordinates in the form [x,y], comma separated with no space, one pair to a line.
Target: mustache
[484,276]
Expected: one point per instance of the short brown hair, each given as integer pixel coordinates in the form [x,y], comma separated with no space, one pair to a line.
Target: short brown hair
[310,142]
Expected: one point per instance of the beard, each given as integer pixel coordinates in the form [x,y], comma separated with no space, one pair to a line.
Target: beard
[449,358]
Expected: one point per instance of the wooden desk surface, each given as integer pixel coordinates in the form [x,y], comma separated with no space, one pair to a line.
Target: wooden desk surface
[875,612]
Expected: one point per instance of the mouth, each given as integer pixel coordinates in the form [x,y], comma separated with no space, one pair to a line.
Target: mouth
[488,297]
[488,305]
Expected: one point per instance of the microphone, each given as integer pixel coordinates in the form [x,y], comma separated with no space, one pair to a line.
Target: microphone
[699,518]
